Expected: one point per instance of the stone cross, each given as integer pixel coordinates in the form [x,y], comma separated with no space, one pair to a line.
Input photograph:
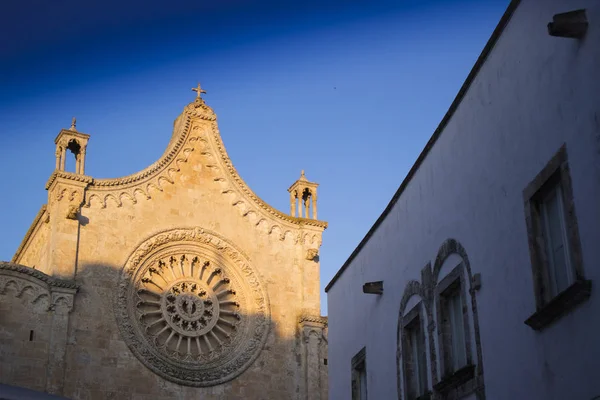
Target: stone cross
[73,124]
[198,91]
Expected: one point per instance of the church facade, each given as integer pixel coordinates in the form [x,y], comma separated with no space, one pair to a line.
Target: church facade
[478,280]
[175,282]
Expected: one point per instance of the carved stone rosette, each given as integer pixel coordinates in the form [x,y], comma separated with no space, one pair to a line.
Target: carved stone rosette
[191,308]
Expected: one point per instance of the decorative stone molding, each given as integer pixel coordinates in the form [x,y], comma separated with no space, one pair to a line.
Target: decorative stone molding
[313,318]
[22,278]
[189,137]
[191,308]
[68,175]
[312,351]
[251,206]
[199,109]
[428,291]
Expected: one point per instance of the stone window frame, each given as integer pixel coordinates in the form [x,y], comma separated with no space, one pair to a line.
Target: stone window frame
[415,316]
[359,364]
[464,376]
[550,308]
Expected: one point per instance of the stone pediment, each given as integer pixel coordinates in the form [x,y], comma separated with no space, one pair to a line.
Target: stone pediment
[195,130]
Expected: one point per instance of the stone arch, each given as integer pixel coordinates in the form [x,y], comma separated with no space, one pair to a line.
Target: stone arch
[450,247]
[412,289]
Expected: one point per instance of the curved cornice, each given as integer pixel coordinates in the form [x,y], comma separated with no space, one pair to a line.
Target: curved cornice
[40,276]
[58,293]
[187,137]
[245,189]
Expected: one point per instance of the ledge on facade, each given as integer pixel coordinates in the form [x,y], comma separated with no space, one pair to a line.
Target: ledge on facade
[564,302]
[308,221]
[425,396]
[68,175]
[455,379]
[317,319]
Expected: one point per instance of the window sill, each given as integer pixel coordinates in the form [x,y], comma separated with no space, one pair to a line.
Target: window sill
[424,396]
[564,302]
[455,379]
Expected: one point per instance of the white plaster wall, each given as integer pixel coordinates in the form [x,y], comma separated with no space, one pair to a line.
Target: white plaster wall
[534,93]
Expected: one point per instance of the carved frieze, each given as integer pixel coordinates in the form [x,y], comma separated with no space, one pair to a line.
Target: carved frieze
[21,279]
[191,308]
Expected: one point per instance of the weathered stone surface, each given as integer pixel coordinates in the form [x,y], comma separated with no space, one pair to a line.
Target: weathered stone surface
[189,285]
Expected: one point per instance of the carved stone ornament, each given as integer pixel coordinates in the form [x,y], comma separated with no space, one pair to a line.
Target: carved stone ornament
[72,212]
[191,308]
[311,254]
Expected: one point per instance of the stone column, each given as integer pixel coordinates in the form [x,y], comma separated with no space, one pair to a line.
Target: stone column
[292,204]
[58,158]
[61,307]
[314,205]
[77,163]
[312,339]
[306,204]
[82,161]
[63,158]
[65,197]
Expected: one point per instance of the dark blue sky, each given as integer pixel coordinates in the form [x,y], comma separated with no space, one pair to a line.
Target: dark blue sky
[349,91]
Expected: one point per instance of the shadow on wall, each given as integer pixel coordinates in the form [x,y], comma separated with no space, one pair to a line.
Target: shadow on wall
[8,392]
[174,324]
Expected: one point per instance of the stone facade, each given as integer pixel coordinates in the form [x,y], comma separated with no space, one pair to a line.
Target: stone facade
[491,242]
[175,282]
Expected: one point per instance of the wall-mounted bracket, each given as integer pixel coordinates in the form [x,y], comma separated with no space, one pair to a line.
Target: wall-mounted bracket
[373,287]
[572,24]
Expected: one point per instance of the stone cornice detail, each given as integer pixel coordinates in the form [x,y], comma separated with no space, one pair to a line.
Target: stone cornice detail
[243,187]
[30,232]
[163,170]
[22,278]
[51,281]
[69,176]
[317,319]
[187,137]
[259,213]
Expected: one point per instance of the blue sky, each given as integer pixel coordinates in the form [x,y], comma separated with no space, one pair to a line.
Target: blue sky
[348,91]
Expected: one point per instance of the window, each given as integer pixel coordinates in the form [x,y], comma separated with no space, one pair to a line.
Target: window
[454,336]
[414,355]
[554,245]
[453,328]
[359,376]
[457,370]
[557,255]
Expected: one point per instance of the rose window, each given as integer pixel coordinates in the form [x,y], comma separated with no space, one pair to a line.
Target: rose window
[187,307]
[191,308]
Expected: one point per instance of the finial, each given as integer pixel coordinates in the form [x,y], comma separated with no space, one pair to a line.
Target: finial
[199,91]
[73,124]
[302,177]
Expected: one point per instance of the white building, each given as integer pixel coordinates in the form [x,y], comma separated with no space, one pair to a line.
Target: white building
[488,250]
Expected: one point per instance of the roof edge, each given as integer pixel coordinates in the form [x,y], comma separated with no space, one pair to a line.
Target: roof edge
[436,134]
[29,234]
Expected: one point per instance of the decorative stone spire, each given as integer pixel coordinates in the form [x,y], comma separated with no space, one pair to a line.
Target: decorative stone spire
[303,195]
[76,142]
